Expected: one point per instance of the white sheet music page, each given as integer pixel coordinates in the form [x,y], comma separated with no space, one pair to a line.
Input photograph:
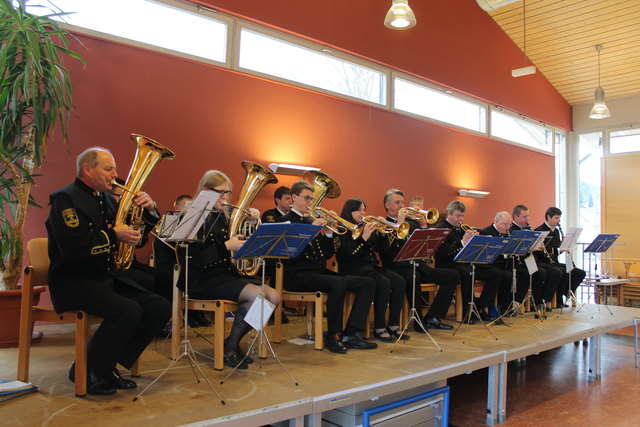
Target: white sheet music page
[195,216]
[253,316]
[570,239]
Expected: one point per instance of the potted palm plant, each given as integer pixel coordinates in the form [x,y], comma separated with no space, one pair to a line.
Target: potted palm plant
[35,97]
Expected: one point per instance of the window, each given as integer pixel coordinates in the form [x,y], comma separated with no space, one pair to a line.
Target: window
[589,157]
[426,102]
[148,22]
[511,128]
[561,170]
[275,57]
[624,141]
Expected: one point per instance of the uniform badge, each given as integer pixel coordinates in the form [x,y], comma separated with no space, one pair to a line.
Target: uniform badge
[270,218]
[70,218]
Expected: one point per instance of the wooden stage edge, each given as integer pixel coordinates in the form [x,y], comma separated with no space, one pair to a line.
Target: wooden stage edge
[264,394]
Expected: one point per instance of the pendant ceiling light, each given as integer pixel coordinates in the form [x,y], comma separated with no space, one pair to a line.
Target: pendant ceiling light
[527,69]
[400,16]
[599,110]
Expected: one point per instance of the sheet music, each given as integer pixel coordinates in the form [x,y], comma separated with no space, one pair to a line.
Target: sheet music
[253,317]
[537,246]
[168,224]
[531,264]
[570,239]
[195,216]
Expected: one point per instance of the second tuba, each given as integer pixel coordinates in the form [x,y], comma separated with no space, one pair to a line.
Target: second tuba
[148,154]
[240,221]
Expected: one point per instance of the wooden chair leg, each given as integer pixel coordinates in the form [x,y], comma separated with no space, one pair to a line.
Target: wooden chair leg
[82,340]
[135,369]
[459,302]
[26,326]
[218,340]
[319,340]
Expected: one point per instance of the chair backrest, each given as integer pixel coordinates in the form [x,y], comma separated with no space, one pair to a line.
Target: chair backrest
[38,256]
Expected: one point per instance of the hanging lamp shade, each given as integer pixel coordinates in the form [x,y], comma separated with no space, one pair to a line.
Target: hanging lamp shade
[600,109]
[400,16]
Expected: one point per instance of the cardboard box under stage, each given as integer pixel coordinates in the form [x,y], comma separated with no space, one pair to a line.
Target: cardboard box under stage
[264,395]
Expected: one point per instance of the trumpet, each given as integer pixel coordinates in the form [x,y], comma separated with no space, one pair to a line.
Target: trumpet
[467,227]
[336,223]
[387,227]
[430,215]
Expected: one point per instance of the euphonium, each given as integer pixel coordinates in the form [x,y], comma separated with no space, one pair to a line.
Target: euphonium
[336,223]
[431,215]
[148,154]
[387,227]
[240,221]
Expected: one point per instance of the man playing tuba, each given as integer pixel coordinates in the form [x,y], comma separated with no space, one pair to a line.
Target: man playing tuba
[82,242]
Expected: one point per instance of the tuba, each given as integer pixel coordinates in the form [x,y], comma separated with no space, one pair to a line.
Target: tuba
[431,215]
[240,222]
[148,154]
[387,227]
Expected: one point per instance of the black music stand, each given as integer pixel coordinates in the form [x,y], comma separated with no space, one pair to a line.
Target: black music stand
[479,250]
[185,234]
[276,240]
[600,244]
[520,243]
[422,244]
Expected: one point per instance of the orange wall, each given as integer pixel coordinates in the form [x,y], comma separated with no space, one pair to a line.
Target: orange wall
[215,118]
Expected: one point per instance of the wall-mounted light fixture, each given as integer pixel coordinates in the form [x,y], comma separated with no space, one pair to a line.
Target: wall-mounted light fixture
[287,169]
[400,16]
[473,193]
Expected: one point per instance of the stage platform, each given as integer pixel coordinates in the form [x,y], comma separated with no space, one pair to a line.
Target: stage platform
[265,395]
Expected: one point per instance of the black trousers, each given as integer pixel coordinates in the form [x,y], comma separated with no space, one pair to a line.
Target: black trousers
[553,281]
[445,278]
[577,276]
[132,318]
[494,278]
[522,283]
[336,286]
[390,288]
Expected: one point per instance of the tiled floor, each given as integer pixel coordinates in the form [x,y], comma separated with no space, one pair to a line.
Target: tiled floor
[552,389]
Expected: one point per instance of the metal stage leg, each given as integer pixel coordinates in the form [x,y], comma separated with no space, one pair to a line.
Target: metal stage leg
[635,339]
[595,360]
[497,394]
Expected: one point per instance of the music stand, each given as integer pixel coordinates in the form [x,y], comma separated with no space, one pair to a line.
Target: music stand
[479,250]
[600,244]
[567,245]
[184,234]
[420,245]
[519,244]
[275,240]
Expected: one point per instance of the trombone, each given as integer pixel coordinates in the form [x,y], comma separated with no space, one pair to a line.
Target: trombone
[387,227]
[430,215]
[336,223]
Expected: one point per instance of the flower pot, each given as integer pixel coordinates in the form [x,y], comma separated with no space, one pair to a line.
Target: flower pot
[10,316]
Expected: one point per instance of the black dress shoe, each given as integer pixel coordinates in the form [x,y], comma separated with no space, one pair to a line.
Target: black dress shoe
[333,344]
[435,323]
[120,383]
[242,355]
[232,360]
[383,336]
[469,320]
[395,334]
[485,317]
[95,385]
[357,343]
[203,320]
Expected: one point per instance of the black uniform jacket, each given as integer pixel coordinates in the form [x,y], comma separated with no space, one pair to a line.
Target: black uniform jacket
[389,245]
[357,255]
[81,241]
[314,257]
[271,215]
[501,261]
[551,242]
[450,247]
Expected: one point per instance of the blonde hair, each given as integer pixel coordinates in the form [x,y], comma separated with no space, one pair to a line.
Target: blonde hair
[212,179]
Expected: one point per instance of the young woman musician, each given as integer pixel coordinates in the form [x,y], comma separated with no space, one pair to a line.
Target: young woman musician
[358,257]
[211,273]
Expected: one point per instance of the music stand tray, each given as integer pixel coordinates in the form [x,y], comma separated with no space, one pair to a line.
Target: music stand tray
[422,244]
[479,250]
[276,240]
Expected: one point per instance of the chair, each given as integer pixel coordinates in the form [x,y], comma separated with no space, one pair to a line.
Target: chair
[36,274]
[314,304]
[218,307]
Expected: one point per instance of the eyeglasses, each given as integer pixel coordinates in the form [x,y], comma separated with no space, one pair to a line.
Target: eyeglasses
[222,193]
[308,198]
